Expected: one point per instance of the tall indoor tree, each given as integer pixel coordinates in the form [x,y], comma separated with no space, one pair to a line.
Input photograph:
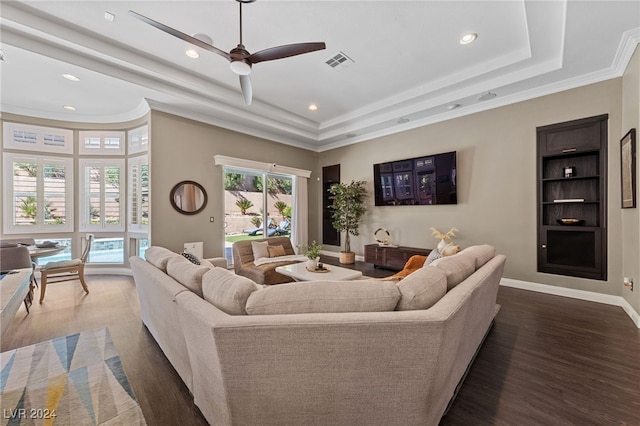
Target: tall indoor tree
[347,210]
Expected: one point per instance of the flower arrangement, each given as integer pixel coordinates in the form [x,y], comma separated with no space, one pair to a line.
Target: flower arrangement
[312,251]
[445,239]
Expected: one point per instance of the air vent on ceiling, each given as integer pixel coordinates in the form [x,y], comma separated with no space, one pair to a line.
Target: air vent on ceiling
[340,61]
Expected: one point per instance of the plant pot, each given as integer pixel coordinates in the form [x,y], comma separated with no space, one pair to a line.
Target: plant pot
[347,257]
[312,263]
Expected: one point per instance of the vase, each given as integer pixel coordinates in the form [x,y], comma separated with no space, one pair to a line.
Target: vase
[313,263]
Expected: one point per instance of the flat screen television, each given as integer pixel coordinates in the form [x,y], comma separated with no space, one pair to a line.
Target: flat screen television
[426,180]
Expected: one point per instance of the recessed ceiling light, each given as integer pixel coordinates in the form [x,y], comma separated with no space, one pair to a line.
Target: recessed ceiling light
[70,77]
[487,96]
[468,38]
[108,16]
[453,106]
[313,107]
[69,107]
[192,53]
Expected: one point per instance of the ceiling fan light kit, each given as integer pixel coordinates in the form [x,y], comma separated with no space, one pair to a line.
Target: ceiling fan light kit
[241,61]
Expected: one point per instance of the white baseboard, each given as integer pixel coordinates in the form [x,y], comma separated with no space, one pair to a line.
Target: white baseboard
[590,296]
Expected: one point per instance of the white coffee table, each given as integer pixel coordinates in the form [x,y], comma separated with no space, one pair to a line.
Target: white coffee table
[299,272]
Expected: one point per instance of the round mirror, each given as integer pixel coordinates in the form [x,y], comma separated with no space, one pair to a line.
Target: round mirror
[188,197]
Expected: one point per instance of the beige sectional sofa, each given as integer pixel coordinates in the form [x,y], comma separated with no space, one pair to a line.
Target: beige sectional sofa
[338,353]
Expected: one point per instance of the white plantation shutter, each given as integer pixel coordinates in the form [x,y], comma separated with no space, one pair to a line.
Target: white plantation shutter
[138,172]
[102,197]
[37,138]
[39,193]
[101,143]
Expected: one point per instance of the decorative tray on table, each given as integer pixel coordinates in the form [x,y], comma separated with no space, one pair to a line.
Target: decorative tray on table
[323,269]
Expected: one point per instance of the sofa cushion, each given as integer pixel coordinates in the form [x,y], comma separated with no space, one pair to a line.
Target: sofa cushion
[276,251]
[260,249]
[421,289]
[482,253]
[456,267]
[227,291]
[159,256]
[324,297]
[186,273]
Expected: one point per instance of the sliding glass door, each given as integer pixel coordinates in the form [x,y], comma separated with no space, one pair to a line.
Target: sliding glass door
[257,205]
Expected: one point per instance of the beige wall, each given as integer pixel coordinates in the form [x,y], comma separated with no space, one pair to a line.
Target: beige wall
[182,149]
[631,217]
[496,180]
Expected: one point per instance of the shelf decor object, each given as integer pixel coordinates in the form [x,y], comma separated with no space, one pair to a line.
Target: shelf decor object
[628,168]
[382,237]
[572,198]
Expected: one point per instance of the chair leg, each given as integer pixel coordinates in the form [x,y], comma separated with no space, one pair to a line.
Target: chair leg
[43,287]
[82,281]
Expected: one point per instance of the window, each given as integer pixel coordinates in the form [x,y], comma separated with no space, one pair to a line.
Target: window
[101,203]
[63,255]
[107,250]
[253,209]
[138,140]
[102,143]
[38,194]
[37,138]
[138,193]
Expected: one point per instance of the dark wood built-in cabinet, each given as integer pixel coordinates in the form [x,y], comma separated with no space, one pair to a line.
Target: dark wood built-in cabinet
[330,175]
[391,257]
[572,198]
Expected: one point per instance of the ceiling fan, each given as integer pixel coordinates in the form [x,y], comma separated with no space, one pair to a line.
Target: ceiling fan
[240,59]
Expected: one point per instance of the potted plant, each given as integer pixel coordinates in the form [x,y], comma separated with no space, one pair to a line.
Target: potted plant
[348,208]
[312,251]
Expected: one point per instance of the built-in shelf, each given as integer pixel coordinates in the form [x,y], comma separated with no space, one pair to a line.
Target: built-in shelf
[572,185]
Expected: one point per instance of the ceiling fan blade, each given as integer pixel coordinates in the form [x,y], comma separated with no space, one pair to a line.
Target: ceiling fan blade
[247,91]
[181,35]
[285,51]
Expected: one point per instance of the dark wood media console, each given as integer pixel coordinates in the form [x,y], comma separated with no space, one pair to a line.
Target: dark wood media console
[391,257]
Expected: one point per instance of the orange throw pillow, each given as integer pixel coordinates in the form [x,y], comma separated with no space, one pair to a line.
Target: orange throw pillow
[414,263]
[275,251]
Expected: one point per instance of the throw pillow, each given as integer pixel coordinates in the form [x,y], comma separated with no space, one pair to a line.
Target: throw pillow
[260,249]
[435,254]
[191,257]
[275,251]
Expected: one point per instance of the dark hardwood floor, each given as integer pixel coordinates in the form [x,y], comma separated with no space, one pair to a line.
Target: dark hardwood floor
[548,360]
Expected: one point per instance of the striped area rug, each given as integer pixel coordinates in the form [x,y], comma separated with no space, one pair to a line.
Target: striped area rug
[72,380]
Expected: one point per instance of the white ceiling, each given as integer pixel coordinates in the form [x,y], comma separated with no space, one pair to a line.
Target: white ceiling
[408,63]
